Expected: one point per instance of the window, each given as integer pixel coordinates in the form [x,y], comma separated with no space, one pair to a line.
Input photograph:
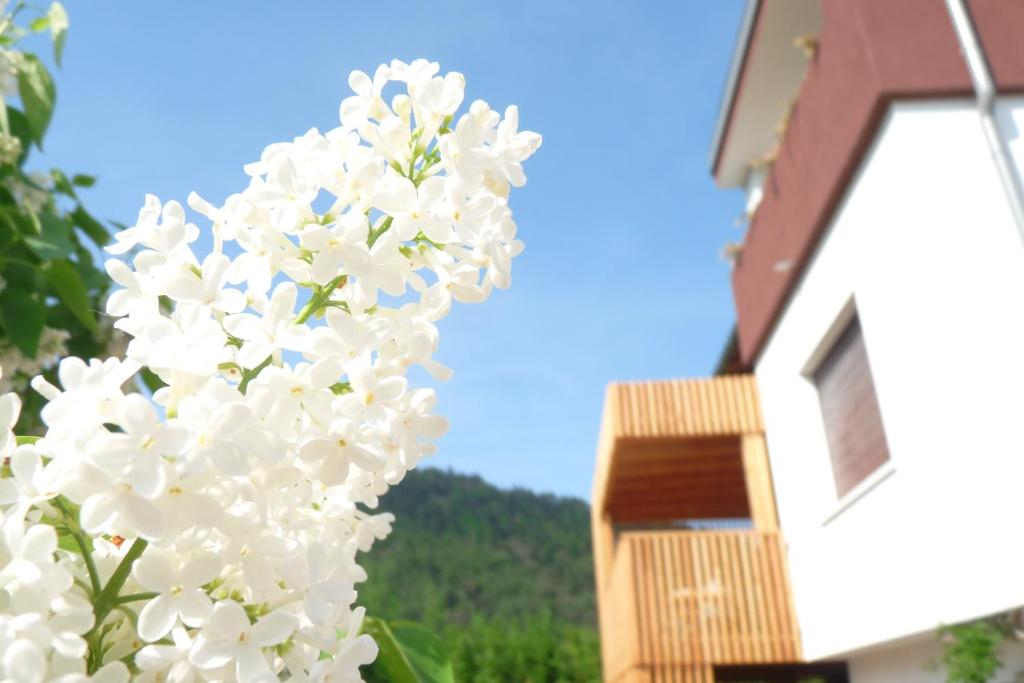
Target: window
[849,407]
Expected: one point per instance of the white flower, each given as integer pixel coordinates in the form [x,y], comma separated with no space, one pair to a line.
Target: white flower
[414,209]
[120,504]
[10,409]
[30,482]
[230,638]
[370,394]
[275,330]
[141,443]
[111,672]
[366,103]
[354,650]
[306,388]
[325,587]
[26,558]
[190,342]
[163,230]
[216,434]
[240,488]
[189,501]
[340,246]
[345,443]
[284,192]
[168,663]
[138,296]
[512,146]
[207,286]
[180,591]
[416,422]
[23,661]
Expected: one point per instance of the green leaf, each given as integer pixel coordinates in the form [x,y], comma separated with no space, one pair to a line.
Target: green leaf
[58,19]
[409,653]
[38,95]
[94,278]
[20,128]
[19,223]
[92,227]
[66,281]
[23,314]
[82,180]
[53,240]
[151,380]
[9,233]
[62,183]
[65,541]
[40,24]
[20,270]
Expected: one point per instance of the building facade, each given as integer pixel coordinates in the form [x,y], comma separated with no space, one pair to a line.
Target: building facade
[880,316]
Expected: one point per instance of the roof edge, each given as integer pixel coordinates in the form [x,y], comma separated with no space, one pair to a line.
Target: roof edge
[728,99]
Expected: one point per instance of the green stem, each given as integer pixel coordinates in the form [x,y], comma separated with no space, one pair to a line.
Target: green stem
[83,545]
[248,375]
[135,597]
[320,298]
[107,600]
[374,234]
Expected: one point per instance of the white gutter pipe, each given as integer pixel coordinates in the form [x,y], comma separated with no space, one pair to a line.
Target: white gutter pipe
[985,90]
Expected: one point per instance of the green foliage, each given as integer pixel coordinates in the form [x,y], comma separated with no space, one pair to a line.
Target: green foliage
[505,578]
[38,95]
[409,652]
[23,316]
[51,288]
[70,287]
[971,651]
[538,649]
[518,553]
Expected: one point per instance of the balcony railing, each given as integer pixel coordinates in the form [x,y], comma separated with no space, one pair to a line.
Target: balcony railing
[686,600]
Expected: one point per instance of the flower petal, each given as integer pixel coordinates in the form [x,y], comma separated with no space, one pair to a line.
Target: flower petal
[229,418]
[194,606]
[157,618]
[202,568]
[144,517]
[272,629]
[210,653]
[24,662]
[154,571]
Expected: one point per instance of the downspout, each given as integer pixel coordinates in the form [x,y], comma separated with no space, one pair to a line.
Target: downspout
[985,90]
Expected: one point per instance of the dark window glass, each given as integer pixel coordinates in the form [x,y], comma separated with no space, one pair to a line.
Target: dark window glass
[849,406]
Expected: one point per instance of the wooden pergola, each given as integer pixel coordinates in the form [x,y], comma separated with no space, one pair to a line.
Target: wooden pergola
[690,566]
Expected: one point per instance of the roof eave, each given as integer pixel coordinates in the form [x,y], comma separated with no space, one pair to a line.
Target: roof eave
[728,100]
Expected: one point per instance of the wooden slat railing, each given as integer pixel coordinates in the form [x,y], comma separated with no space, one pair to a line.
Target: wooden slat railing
[695,599]
[620,637]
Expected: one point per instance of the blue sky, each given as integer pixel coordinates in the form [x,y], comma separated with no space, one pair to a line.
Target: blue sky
[621,277]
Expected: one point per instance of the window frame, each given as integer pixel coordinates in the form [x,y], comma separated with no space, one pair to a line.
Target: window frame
[827,342]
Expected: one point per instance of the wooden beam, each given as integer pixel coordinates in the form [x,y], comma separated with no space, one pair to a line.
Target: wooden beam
[758,478]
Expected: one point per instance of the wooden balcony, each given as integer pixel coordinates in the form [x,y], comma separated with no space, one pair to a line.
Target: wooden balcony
[676,603]
[686,601]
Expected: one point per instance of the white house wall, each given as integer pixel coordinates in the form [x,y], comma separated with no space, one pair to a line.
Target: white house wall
[925,244]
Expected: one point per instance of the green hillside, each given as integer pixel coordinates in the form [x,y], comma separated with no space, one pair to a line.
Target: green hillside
[505,576]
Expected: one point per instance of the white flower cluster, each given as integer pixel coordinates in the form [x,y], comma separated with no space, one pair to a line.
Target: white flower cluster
[211,532]
[19,369]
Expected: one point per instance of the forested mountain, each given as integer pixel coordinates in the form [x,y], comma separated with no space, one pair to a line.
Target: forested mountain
[506,576]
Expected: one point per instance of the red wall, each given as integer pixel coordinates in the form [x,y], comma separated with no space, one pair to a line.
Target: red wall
[871,52]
